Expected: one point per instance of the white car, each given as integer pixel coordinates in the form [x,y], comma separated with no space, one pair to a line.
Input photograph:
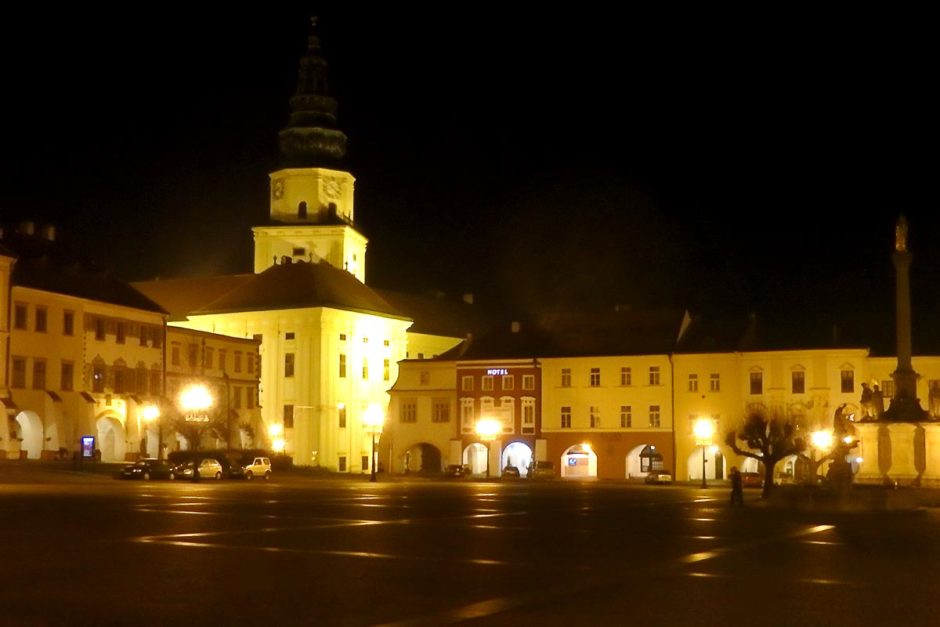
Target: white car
[208,469]
[260,467]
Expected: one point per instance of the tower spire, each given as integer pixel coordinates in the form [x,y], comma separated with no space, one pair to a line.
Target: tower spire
[312,137]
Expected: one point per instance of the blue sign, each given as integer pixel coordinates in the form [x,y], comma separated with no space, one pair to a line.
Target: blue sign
[88,446]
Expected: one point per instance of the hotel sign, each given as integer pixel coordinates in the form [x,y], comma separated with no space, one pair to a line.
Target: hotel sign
[497,372]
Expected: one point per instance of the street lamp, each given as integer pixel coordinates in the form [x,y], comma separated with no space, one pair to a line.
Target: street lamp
[195,399]
[151,413]
[277,442]
[487,428]
[704,430]
[823,442]
[372,420]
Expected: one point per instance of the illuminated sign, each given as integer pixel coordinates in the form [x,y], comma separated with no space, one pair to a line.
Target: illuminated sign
[88,446]
[497,371]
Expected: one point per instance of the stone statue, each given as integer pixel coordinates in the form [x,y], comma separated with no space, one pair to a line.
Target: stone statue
[838,422]
[877,401]
[866,402]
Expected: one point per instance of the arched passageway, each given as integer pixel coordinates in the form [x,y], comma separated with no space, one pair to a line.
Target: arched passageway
[579,462]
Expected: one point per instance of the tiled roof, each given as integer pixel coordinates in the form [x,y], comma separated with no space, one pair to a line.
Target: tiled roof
[438,315]
[49,266]
[183,296]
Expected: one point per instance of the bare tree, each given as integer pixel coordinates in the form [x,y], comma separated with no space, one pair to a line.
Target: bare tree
[768,439]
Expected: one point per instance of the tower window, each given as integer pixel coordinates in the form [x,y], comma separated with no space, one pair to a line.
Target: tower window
[299,252]
[302,210]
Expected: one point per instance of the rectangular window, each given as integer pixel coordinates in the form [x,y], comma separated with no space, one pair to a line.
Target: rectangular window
[528,415]
[466,415]
[250,362]
[487,383]
[120,333]
[288,416]
[887,388]
[210,353]
[409,410]
[386,369]
[238,361]
[565,417]
[99,329]
[466,384]
[365,462]
[528,382]
[342,366]
[626,416]
[236,397]
[223,359]
[67,377]
[120,379]
[192,355]
[424,377]
[175,355]
[654,375]
[342,415]
[595,377]
[250,398]
[440,410]
[566,377]
[848,381]
[68,323]
[715,382]
[42,319]
[365,340]
[97,378]
[142,332]
[365,368]
[39,374]
[341,466]
[626,376]
[20,315]
[387,343]
[18,379]
[693,383]
[342,337]
[156,379]
[142,376]
[654,415]
[798,380]
[595,417]
[757,383]
[509,382]
[288,364]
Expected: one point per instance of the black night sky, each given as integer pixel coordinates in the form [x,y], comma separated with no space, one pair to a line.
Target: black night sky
[721,162]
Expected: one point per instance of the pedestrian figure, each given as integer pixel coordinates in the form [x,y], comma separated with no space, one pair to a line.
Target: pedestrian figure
[737,489]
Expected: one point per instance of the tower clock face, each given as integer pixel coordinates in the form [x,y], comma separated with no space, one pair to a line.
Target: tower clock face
[332,188]
[277,190]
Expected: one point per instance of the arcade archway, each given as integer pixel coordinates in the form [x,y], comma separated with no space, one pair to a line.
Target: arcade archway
[475,457]
[642,459]
[423,458]
[579,462]
[517,454]
[714,464]
[29,429]
[111,440]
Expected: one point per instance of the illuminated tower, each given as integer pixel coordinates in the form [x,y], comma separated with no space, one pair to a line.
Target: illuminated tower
[311,197]
[904,405]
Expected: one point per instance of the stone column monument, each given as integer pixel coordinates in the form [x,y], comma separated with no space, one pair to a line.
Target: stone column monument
[905,406]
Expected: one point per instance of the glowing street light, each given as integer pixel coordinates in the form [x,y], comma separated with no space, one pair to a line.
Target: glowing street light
[372,422]
[276,431]
[822,440]
[704,431]
[487,428]
[196,400]
[150,415]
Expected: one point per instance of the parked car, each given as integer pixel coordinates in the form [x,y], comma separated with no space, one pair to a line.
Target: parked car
[207,468]
[752,480]
[457,471]
[511,472]
[233,469]
[658,477]
[258,467]
[148,469]
[543,470]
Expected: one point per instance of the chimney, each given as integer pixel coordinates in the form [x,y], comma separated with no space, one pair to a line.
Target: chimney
[48,232]
[516,325]
[27,228]
[468,298]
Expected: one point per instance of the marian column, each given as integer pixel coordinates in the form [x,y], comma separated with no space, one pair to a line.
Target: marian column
[904,405]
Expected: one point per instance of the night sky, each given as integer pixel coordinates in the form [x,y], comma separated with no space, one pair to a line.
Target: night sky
[721,162]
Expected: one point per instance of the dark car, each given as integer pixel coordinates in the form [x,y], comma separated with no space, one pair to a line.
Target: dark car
[232,468]
[658,477]
[148,469]
[511,472]
[456,471]
[542,470]
[752,480]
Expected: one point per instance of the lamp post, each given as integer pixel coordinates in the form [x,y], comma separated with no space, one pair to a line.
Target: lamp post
[372,421]
[151,413]
[276,431]
[704,430]
[487,428]
[821,441]
[195,401]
